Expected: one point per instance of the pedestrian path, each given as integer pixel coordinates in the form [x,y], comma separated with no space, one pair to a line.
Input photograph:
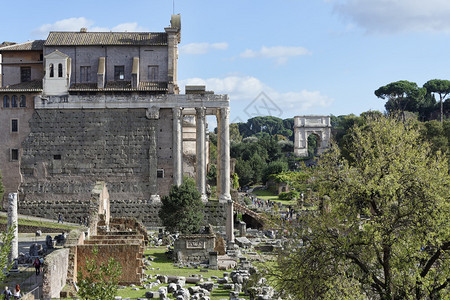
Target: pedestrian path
[27,217]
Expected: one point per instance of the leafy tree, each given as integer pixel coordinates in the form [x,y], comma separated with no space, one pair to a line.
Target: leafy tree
[5,248]
[183,210]
[99,281]
[235,180]
[245,172]
[235,135]
[212,174]
[274,167]
[402,96]
[382,232]
[440,87]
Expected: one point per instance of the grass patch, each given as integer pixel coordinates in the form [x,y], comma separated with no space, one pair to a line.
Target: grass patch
[41,224]
[270,196]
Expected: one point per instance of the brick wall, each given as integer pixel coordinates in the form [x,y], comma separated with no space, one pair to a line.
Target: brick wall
[129,253]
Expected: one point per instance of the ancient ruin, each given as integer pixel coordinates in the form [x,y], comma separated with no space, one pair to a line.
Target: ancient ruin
[88,106]
[304,126]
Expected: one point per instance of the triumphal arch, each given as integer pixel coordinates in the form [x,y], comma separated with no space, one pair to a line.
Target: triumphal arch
[304,126]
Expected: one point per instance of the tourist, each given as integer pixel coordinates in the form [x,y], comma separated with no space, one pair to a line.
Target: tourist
[37,265]
[60,219]
[6,293]
[17,294]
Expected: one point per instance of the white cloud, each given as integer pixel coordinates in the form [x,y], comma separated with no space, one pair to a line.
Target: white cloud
[250,97]
[280,53]
[388,16]
[202,48]
[130,27]
[75,24]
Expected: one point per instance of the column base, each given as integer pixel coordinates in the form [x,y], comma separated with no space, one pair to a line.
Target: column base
[224,198]
[204,198]
[155,198]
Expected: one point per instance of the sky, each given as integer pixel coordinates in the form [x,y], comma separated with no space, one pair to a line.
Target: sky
[283,58]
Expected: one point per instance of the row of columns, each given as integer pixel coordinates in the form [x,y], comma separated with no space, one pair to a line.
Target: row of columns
[223,150]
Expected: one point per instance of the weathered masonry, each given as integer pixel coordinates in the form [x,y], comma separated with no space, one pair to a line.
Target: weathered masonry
[83,106]
[304,126]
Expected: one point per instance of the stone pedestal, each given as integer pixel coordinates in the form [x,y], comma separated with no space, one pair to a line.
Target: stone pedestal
[242,229]
[13,221]
[213,260]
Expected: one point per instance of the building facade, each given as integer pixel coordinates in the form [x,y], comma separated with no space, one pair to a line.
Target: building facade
[84,106]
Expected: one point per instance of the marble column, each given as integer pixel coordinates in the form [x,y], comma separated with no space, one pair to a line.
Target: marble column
[224,137]
[229,226]
[177,147]
[218,153]
[13,221]
[201,151]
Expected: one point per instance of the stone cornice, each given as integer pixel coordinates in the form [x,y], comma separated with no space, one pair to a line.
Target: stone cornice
[133,101]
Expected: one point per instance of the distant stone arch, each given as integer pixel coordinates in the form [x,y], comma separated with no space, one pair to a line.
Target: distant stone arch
[304,126]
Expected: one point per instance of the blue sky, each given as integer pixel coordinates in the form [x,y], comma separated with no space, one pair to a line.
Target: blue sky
[283,58]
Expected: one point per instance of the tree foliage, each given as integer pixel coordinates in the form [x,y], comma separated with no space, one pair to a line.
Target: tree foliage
[440,87]
[182,210]
[402,96]
[382,232]
[5,248]
[99,281]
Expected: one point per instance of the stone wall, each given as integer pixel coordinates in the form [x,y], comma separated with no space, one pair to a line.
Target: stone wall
[55,273]
[69,150]
[143,210]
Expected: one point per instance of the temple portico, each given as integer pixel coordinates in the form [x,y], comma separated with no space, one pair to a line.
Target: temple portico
[199,104]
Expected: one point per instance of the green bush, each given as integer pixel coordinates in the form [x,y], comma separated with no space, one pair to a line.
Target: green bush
[291,195]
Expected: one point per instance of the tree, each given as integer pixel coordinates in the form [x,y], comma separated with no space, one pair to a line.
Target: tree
[402,96]
[274,167]
[183,210]
[5,248]
[382,232]
[99,281]
[440,87]
[235,181]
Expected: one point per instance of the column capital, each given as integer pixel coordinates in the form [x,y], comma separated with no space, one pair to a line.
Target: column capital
[224,112]
[177,111]
[200,112]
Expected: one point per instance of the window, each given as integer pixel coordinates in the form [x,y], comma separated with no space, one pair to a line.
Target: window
[14,125]
[160,173]
[14,154]
[57,157]
[119,72]
[153,73]
[6,101]
[85,73]
[52,71]
[25,74]
[14,101]
[23,101]
[60,70]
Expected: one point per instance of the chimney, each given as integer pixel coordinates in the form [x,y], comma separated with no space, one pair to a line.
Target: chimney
[83,29]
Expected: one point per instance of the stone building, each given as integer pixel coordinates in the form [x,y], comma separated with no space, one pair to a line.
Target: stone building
[84,106]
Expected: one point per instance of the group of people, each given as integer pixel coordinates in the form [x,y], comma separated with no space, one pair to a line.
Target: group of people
[15,294]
